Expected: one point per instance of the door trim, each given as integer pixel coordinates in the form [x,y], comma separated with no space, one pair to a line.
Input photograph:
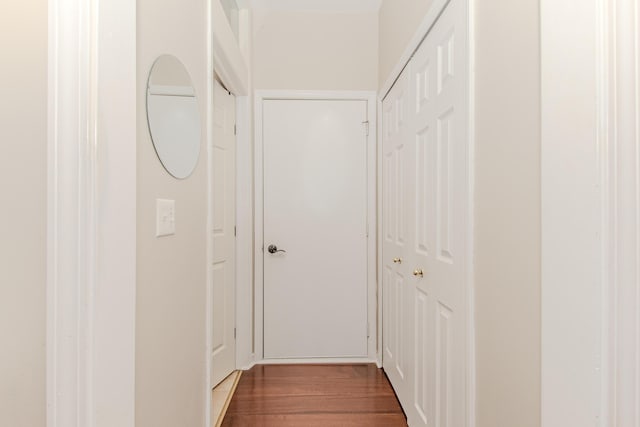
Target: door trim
[229,60]
[370,98]
[572,130]
[594,122]
[91,214]
[225,60]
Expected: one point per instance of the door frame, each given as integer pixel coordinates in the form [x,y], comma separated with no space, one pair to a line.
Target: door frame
[91,214]
[593,122]
[570,131]
[372,296]
[226,57]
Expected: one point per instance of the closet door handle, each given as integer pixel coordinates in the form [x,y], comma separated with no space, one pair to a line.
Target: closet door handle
[397,260]
[418,273]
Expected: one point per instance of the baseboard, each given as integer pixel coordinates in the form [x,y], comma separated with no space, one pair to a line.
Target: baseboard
[317,361]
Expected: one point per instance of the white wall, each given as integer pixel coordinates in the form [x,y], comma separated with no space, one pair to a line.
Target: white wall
[399,20]
[23,168]
[301,50]
[508,213]
[171,281]
[507,199]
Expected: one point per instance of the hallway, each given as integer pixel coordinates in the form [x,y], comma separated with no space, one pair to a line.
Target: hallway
[447,189]
[314,395]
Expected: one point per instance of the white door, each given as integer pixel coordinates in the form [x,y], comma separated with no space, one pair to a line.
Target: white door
[394,239]
[438,199]
[434,251]
[315,209]
[223,264]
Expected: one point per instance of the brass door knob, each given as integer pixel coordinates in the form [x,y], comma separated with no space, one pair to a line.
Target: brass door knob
[418,273]
[397,260]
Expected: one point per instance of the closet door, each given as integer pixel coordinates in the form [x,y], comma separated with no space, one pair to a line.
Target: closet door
[438,226]
[396,341]
[426,226]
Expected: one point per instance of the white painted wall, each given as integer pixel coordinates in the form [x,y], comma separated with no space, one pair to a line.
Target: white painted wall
[23,168]
[304,50]
[507,198]
[508,213]
[317,5]
[398,20]
[171,290]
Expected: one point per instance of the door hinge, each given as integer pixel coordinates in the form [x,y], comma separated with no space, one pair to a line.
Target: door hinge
[235,129]
[366,124]
[235,231]
[234,333]
[368,334]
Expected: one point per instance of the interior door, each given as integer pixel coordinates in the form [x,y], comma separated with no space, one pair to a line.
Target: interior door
[439,202]
[396,298]
[426,293]
[223,264]
[315,229]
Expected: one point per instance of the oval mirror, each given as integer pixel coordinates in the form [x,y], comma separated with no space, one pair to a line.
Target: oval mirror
[173,117]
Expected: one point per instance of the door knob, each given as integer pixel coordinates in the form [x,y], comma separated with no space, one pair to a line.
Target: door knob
[273,249]
[397,260]
[418,273]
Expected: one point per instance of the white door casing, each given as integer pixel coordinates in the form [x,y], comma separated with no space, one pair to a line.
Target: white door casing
[434,193]
[591,216]
[223,234]
[621,284]
[91,214]
[260,98]
[315,208]
[572,135]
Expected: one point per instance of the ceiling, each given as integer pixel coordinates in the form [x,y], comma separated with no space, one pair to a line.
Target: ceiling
[318,5]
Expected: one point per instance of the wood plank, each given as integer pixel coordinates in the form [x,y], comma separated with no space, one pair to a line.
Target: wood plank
[314,395]
[315,420]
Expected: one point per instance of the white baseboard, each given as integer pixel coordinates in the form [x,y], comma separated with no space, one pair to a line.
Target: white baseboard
[317,361]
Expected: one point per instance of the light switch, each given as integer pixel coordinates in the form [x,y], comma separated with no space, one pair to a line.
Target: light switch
[165,217]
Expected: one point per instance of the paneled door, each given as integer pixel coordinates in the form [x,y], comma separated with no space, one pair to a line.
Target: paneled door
[395,216]
[438,201]
[315,229]
[435,244]
[223,264]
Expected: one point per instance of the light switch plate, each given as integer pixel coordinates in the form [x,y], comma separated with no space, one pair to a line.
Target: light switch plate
[165,217]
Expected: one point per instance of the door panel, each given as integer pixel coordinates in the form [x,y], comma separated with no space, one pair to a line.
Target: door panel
[394,250]
[315,208]
[423,372]
[223,234]
[399,323]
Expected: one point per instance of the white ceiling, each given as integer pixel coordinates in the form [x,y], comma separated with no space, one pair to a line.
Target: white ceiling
[318,5]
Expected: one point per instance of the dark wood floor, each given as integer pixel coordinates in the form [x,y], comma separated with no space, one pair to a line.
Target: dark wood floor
[314,396]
